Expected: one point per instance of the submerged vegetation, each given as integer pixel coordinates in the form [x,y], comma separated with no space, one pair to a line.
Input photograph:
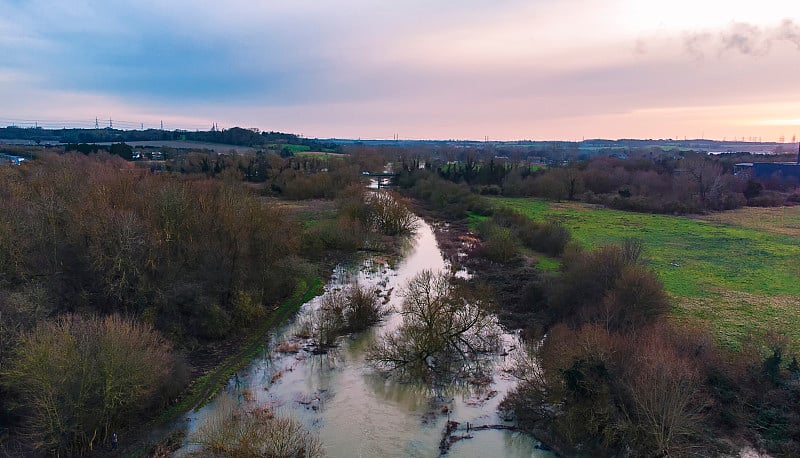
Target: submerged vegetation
[445,330]
[352,309]
[234,430]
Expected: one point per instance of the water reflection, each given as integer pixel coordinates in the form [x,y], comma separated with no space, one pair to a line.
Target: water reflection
[359,412]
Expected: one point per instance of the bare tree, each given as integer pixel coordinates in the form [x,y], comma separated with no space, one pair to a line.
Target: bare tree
[706,175]
[444,332]
[390,215]
[667,391]
[79,378]
[352,309]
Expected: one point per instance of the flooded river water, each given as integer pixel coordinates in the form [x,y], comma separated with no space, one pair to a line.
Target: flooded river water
[358,412]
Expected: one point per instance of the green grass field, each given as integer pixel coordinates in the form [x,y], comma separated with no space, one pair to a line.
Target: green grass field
[292,148]
[741,277]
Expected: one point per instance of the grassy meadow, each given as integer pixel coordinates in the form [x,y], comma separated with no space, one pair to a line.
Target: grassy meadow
[738,271]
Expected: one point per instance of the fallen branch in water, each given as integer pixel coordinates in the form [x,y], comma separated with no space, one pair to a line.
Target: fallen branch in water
[449,437]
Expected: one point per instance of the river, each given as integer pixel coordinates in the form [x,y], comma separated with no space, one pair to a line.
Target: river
[358,412]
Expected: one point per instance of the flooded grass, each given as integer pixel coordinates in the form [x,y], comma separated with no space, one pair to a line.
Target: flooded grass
[204,388]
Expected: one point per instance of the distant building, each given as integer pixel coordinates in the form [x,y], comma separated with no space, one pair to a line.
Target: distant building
[9,159]
[769,169]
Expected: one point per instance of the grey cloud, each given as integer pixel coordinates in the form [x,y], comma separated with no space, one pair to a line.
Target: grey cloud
[742,38]
[746,39]
[695,43]
[789,31]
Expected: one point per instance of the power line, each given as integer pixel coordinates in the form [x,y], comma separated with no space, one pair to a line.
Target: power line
[119,124]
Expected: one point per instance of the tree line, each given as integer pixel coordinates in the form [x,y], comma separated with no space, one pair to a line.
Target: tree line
[683,183]
[233,136]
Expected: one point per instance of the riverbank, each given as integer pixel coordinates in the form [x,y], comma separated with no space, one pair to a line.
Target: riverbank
[460,246]
[356,410]
[165,433]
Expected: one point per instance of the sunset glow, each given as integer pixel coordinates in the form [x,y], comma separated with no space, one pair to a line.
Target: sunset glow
[356,68]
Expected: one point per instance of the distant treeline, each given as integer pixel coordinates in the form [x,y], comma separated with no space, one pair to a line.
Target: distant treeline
[233,136]
[666,183]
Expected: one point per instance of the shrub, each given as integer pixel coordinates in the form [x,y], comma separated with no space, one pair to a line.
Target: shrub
[247,311]
[81,379]
[605,393]
[231,430]
[767,199]
[636,298]
[500,244]
[607,286]
[345,234]
[352,309]
[454,200]
[548,237]
[215,322]
[390,215]
[362,309]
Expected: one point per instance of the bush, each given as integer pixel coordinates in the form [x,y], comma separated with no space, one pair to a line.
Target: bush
[500,244]
[454,200]
[549,237]
[362,309]
[346,234]
[608,286]
[215,322]
[390,215]
[605,393]
[352,309]
[247,311]
[637,297]
[767,199]
[81,379]
[231,430]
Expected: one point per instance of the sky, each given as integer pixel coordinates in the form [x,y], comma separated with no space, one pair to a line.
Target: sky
[418,69]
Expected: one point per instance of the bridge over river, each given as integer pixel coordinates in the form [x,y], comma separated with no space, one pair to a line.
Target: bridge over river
[383,178]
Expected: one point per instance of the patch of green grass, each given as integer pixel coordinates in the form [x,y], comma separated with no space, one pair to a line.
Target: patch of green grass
[547,264]
[740,278]
[319,155]
[692,257]
[474,219]
[290,147]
